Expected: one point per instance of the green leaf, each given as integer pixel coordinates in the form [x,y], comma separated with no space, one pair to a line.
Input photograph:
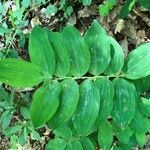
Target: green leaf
[144,106]
[45,103]
[142,84]
[78,51]
[99,46]
[4,30]
[144,3]
[74,145]
[41,51]
[23,137]
[61,52]
[56,144]
[6,118]
[124,102]
[19,73]
[25,3]
[69,98]
[124,135]
[127,7]
[105,136]
[64,132]
[105,8]
[35,135]
[12,130]
[140,123]
[88,107]
[51,10]
[117,57]
[87,144]
[86,2]
[138,62]
[25,112]
[106,92]
[141,138]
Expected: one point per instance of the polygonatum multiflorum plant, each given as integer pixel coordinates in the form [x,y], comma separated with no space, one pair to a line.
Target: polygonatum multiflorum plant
[88,92]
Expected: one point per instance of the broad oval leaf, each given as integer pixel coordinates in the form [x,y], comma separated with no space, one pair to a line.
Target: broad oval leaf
[56,144]
[64,132]
[138,62]
[74,145]
[124,102]
[87,144]
[69,98]
[117,57]
[41,51]
[140,123]
[88,107]
[105,136]
[61,53]
[45,103]
[19,73]
[106,92]
[78,51]
[99,47]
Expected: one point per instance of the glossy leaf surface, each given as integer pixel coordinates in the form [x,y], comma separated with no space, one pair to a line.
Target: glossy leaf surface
[45,103]
[88,107]
[19,73]
[124,102]
[41,51]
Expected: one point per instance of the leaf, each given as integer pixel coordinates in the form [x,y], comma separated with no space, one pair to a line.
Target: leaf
[45,103]
[64,132]
[61,52]
[25,3]
[105,136]
[78,51]
[35,135]
[142,84]
[51,10]
[124,102]
[12,130]
[117,57]
[140,123]
[144,106]
[23,137]
[99,47]
[127,7]
[69,98]
[74,145]
[141,138]
[88,107]
[56,144]
[105,8]
[4,30]
[86,2]
[19,73]
[87,144]
[124,135]
[6,118]
[106,92]
[144,3]
[25,112]
[138,62]
[41,51]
